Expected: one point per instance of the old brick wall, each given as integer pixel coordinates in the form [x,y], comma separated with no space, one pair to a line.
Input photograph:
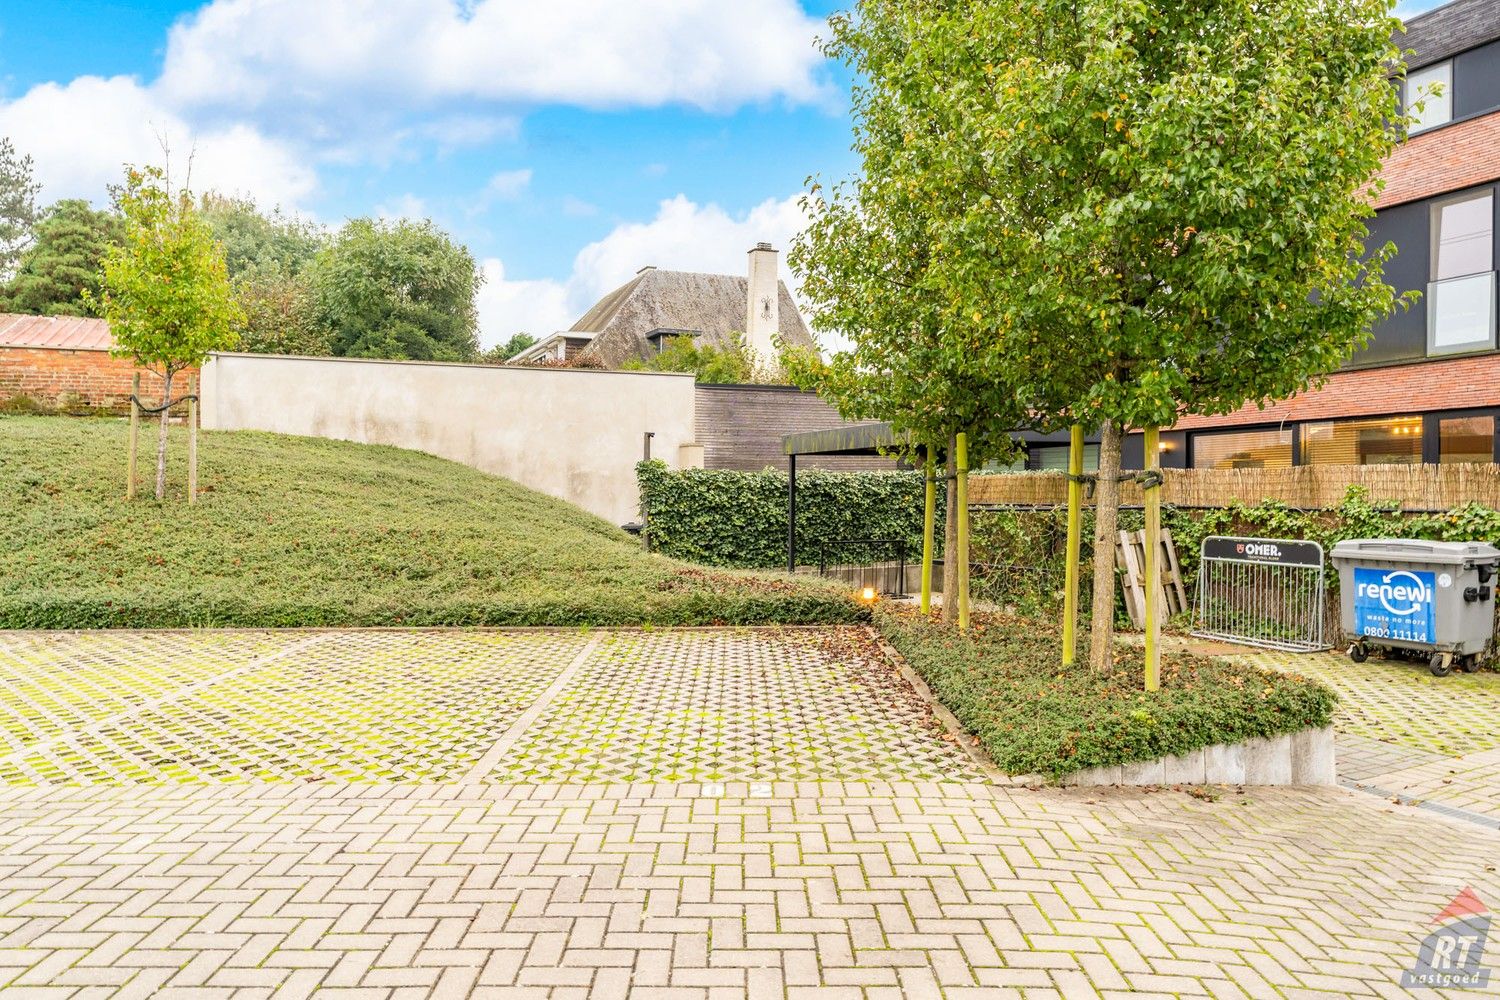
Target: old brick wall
[56,379]
[741,427]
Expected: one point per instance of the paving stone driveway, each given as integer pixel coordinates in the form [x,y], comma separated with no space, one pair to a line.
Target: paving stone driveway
[1403,732]
[488,814]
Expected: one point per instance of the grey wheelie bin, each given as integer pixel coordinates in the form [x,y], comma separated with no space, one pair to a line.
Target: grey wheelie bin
[1436,598]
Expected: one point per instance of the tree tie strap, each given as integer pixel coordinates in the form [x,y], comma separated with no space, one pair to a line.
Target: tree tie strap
[1150,479]
[165,406]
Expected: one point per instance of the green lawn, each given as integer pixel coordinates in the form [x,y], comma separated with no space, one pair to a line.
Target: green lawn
[299,531]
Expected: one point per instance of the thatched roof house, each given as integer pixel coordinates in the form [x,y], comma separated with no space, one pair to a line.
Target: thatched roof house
[633,320]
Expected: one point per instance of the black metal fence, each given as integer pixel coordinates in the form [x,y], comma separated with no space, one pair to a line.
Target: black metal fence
[877,564]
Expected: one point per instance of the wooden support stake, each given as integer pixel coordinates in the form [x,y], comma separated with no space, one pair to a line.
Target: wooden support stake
[1152,583]
[135,428]
[1075,542]
[962,461]
[929,528]
[192,456]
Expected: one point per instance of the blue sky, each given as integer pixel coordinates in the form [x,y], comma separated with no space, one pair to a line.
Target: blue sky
[567,143]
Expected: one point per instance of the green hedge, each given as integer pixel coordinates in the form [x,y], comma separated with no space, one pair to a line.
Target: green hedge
[723,518]
[1005,682]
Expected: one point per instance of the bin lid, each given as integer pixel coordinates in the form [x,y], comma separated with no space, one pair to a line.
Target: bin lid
[1412,550]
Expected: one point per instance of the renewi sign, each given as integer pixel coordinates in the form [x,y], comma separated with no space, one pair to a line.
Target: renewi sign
[1394,604]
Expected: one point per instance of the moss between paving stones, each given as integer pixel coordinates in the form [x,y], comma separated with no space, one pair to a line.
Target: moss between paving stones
[1006,684]
[304,532]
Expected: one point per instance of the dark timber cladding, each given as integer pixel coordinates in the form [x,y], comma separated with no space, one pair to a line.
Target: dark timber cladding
[741,427]
[850,439]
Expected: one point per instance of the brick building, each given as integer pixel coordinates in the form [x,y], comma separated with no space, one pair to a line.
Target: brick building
[63,363]
[1427,386]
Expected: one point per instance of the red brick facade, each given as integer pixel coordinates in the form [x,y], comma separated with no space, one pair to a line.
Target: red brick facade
[62,379]
[1450,158]
[1419,387]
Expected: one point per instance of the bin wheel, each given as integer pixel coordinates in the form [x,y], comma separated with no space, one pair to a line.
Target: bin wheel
[1441,664]
[1358,653]
[1470,663]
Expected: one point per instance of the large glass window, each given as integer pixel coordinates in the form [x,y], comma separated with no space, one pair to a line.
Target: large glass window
[1432,88]
[1466,439]
[1386,441]
[1461,296]
[1054,458]
[1267,449]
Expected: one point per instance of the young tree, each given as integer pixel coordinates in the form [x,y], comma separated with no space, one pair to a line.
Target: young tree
[1157,206]
[18,211]
[400,290]
[166,291]
[59,272]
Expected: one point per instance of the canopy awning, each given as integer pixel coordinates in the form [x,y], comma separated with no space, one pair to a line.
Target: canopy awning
[850,439]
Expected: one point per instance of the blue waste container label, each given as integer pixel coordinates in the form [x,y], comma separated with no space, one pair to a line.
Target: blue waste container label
[1394,604]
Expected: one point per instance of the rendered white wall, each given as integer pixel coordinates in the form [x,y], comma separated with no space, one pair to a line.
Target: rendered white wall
[573,433]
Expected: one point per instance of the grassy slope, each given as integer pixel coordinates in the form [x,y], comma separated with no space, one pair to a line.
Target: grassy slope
[299,531]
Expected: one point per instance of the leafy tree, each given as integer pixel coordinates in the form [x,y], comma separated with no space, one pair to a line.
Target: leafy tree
[728,365]
[254,241]
[278,315]
[59,272]
[18,211]
[871,262]
[399,290]
[166,290]
[267,256]
[1149,207]
[501,353]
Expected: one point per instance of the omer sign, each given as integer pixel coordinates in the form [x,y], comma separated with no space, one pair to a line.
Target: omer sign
[1394,604]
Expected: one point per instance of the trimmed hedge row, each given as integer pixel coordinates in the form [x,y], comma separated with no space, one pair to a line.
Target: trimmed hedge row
[724,518]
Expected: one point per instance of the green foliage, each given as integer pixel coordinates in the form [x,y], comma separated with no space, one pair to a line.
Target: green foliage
[59,273]
[257,242]
[501,353]
[1005,682]
[402,290]
[725,518]
[166,292]
[18,211]
[292,531]
[731,365]
[872,260]
[267,256]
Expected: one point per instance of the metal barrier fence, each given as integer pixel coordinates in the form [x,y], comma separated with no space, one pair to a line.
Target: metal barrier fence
[1261,592]
[875,563]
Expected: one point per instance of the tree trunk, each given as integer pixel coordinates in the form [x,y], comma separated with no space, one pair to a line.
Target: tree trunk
[1106,526]
[161,438]
[950,536]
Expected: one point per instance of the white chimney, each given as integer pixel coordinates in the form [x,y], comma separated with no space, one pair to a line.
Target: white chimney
[763,304]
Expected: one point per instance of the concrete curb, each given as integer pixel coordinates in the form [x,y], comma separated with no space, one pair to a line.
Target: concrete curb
[1305,757]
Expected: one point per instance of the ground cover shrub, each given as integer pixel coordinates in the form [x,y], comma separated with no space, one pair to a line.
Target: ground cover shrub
[1005,682]
[724,518]
[305,532]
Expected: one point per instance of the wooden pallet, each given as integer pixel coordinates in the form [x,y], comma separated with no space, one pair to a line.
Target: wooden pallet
[1131,556]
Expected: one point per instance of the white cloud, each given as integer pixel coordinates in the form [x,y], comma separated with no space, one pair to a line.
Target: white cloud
[254,54]
[81,134]
[507,185]
[406,206]
[683,236]
[507,307]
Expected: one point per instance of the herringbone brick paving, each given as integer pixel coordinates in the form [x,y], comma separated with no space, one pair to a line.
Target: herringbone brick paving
[478,874]
[832,889]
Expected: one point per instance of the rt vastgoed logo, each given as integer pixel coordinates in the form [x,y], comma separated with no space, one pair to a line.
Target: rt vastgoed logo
[1401,592]
[1450,956]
